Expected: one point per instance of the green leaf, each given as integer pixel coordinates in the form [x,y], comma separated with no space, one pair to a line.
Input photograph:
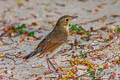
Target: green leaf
[32,34]
[85,54]
[73,27]
[118,29]
[23,26]
[78,29]
[75,43]
[15,29]
[81,53]
[93,78]
[73,69]
[18,28]
[83,37]
[91,73]
[107,40]
[12,30]
[75,56]
[100,69]
[21,32]
[76,74]
[82,28]
[86,32]
[88,70]
[18,0]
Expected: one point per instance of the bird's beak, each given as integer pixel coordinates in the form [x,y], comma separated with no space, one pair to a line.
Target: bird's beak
[74,17]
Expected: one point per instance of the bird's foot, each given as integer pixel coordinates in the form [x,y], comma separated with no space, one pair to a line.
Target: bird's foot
[48,72]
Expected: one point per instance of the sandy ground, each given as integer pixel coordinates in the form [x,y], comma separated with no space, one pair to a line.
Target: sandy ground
[39,11]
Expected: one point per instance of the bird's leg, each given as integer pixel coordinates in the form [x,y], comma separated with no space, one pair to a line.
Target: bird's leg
[51,64]
[48,61]
[57,70]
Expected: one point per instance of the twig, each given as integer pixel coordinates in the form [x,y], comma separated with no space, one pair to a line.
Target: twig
[8,50]
[9,58]
[82,75]
[104,17]
[3,33]
[101,49]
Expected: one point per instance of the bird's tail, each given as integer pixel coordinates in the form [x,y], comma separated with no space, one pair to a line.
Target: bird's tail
[30,55]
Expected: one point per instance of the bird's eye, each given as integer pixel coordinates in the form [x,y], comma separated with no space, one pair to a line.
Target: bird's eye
[67,19]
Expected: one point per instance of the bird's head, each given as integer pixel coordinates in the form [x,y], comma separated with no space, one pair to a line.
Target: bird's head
[64,21]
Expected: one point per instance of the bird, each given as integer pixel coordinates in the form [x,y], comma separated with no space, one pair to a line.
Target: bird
[55,38]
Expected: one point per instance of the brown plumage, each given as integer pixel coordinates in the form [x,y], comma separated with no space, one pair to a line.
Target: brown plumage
[55,38]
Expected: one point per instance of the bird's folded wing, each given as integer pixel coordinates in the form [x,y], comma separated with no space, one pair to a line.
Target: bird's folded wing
[48,45]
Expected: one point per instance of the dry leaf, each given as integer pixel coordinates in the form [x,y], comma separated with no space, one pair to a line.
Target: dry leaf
[14,15]
[20,4]
[47,72]
[111,37]
[48,10]
[94,11]
[38,66]
[40,78]
[51,22]
[2,54]
[5,28]
[95,53]
[23,36]
[113,74]
[64,78]
[34,75]
[101,20]
[78,62]
[101,5]
[69,74]
[1,71]
[115,15]
[33,15]
[83,0]
[59,4]
[13,68]
[33,24]
[42,23]
[31,38]
[105,66]
[1,44]
[21,43]
[1,77]
[27,0]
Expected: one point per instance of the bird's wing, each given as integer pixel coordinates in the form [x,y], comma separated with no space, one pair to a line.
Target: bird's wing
[49,45]
[44,47]
[52,41]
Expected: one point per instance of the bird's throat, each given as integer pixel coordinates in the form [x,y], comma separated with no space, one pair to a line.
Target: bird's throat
[66,29]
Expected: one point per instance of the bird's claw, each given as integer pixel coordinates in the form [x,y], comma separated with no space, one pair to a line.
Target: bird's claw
[48,72]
